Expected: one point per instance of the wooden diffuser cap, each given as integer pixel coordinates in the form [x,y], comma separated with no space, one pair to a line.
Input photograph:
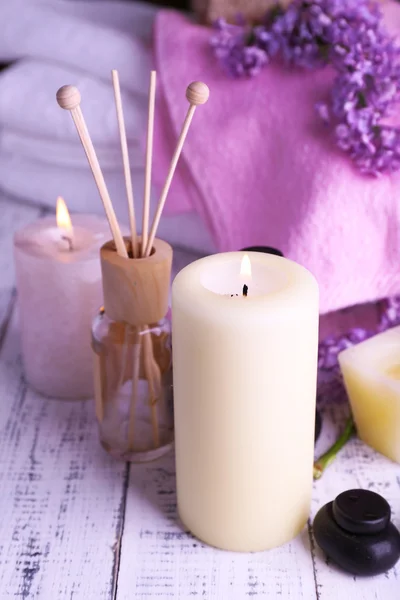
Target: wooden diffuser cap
[136,290]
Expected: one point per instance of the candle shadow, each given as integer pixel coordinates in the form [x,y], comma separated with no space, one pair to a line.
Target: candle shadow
[151,496]
[333,417]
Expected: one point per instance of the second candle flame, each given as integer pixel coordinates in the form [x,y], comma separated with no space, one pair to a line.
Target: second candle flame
[245,267]
[64,223]
[62,216]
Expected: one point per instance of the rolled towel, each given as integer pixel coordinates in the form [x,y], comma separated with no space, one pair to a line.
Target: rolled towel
[28,104]
[66,154]
[39,30]
[133,18]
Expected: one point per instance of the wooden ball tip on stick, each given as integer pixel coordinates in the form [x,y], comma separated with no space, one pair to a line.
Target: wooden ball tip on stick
[68,97]
[197,93]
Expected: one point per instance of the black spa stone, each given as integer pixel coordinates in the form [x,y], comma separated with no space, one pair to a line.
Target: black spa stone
[265,249]
[318,424]
[356,533]
[361,511]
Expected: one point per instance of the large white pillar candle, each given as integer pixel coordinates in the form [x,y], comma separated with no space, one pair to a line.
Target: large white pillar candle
[59,291]
[245,372]
[371,372]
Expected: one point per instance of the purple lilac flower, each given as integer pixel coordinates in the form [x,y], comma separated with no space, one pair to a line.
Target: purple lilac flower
[312,32]
[266,40]
[301,34]
[367,84]
[331,389]
[347,34]
[391,315]
[231,47]
[363,94]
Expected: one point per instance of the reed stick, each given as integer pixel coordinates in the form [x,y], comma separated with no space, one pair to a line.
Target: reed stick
[136,353]
[196,93]
[151,368]
[125,161]
[69,98]
[148,368]
[149,160]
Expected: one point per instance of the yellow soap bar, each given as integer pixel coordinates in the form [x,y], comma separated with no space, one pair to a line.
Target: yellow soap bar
[371,372]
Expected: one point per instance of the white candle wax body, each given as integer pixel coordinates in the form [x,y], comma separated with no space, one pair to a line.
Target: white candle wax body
[371,372]
[244,396]
[59,291]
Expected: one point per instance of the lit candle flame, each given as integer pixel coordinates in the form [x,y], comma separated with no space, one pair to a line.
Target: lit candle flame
[245,267]
[62,216]
[64,223]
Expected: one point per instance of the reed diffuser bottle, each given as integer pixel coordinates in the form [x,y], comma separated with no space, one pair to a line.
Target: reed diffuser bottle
[132,353]
[130,336]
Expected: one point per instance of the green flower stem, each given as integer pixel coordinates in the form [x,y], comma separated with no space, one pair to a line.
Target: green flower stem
[326,459]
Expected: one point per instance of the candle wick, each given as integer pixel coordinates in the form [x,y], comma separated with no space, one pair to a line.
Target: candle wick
[245,290]
[69,242]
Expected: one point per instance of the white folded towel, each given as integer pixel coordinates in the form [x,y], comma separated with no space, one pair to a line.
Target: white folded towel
[42,183]
[79,43]
[66,154]
[28,108]
[54,32]
[134,18]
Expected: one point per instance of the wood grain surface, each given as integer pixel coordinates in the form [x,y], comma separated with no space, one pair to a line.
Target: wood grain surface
[75,524]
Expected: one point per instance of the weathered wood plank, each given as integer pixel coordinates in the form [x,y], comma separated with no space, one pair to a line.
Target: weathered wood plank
[161,560]
[358,466]
[62,497]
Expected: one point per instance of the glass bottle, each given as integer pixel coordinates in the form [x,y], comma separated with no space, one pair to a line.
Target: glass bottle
[132,355]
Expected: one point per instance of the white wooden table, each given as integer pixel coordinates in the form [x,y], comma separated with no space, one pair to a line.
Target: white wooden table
[75,524]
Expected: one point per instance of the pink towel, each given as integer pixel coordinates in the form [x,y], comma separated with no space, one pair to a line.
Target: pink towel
[260,169]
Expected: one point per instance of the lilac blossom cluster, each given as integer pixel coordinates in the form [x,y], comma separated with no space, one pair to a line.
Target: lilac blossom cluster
[234,48]
[349,36]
